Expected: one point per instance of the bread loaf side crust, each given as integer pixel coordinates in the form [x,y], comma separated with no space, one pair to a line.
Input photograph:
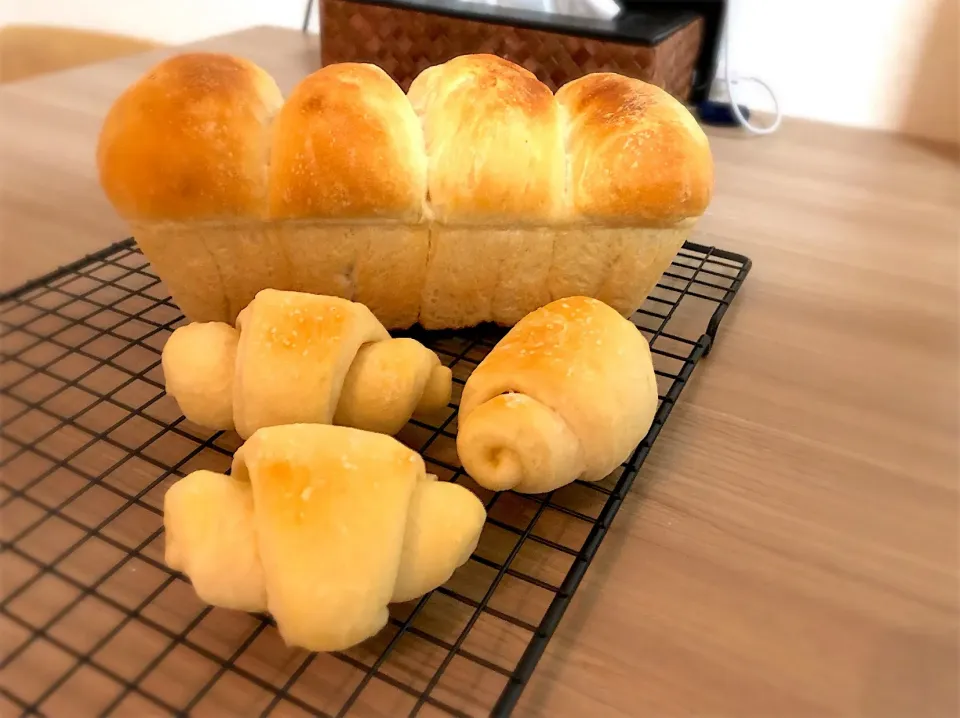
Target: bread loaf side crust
[441,277]
[214,269]
[178,254]
[476,274]
[381,265]
[617,265]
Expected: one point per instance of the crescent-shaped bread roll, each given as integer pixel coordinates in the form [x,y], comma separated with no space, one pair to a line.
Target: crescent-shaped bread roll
[302,358]
[567,394]
[340,522]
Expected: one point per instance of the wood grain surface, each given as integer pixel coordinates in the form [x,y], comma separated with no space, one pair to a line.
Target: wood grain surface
[791,548]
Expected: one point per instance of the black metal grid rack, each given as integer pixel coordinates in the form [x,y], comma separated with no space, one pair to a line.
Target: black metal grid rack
[93,621]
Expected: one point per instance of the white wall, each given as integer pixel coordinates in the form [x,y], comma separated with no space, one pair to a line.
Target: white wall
[167,21]
[852,62]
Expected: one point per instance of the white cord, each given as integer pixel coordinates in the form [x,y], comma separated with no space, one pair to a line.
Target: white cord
[731,82]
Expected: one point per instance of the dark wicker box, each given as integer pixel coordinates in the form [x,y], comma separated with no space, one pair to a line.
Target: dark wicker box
[404,38]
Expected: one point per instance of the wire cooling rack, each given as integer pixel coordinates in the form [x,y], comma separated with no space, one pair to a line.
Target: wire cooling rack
[93,621]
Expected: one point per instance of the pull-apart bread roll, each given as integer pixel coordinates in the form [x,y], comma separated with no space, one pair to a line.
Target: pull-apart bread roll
[347,183]
[183,158]
[302,358]
[229,190]
[496,175]
[567,394]
[478,196]
[639,176]
[323,527]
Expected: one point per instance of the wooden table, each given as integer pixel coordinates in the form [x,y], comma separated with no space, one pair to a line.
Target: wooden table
[794,549]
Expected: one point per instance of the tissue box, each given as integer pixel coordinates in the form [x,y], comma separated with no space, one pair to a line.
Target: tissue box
[406,37]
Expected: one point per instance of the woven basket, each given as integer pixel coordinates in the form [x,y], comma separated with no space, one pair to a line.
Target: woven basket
[404,42]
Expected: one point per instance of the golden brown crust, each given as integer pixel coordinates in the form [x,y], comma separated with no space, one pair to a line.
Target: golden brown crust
[635,152]
[347,145]
[192,140]
[494,142]
[189,140]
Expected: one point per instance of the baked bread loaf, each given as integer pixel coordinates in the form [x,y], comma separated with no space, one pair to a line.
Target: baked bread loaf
[302,358]
[322,526]
[567,394]
[480,195]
